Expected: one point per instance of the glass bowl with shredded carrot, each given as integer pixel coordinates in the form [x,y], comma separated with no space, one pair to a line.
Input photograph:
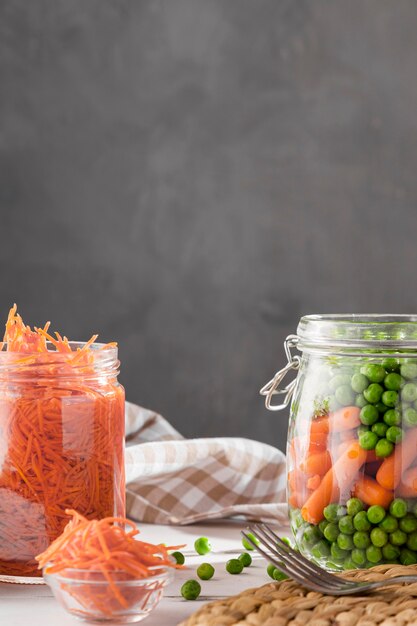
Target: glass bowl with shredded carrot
[100,571]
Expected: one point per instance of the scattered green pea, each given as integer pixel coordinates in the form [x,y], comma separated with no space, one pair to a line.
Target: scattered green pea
[398,507]
[270,570]
[202,545]
[205,571]
[191,589]
[384,447]
[375,514]
[179,557]
[234,566]
[278,575]
[245,558]
[246,544]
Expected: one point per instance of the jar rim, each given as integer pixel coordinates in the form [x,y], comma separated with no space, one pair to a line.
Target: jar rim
[358,330]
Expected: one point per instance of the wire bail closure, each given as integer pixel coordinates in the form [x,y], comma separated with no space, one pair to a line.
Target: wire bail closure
[271,387]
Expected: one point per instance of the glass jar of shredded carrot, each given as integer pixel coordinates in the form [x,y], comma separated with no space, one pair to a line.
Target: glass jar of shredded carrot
[61,439]
[352,439]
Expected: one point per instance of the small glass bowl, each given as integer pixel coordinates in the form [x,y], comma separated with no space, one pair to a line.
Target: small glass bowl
[92,597]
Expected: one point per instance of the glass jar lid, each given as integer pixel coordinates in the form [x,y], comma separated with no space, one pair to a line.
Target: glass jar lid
[353,332]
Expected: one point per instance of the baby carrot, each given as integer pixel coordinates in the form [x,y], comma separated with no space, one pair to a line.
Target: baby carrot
[345,418]
[389,474]
[313,482]
[316,463]
[408,485]
[337,479]
[370,492]
[319,425]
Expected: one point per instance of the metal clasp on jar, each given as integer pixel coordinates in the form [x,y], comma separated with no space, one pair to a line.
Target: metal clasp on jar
[271,388]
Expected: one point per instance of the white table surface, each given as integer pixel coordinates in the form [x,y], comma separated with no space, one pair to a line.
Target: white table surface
[34,605]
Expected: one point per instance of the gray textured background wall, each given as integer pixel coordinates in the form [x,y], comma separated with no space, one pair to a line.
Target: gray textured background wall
[188,177]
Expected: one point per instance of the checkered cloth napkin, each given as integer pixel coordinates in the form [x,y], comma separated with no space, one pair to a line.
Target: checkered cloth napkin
[172,480]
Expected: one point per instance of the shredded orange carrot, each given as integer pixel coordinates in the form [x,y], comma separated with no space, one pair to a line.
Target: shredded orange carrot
[61,439]
[103,550]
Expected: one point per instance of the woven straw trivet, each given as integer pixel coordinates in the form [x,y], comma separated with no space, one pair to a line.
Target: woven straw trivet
[288,604]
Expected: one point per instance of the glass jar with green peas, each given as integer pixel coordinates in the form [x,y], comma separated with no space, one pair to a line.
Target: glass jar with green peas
[352,441]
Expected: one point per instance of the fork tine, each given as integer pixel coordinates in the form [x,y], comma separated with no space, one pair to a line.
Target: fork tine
[288,570]
[291,561]
[290,554]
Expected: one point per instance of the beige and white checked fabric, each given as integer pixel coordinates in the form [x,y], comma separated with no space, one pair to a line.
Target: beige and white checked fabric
[172,480]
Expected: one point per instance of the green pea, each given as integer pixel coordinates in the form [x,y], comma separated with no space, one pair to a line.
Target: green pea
[373,393]
[368,440]
[369,415]
[408,557]
[384,447]
[382,408]
[344,395]
[361,522]
[409,392]
[374,372]
[395,434]
[337,552]
[205,571]
[278,575]
[361,539]
[362,429]
[410,416]
[331,532]
[191,589]
[389,524]
[179,557]
[353,506]
[333,512]
[311,534]
[375,514]
[398,538]
[345,541]
[270,570]
[359,382]
[358,556]
[340,380]
[398,507]
[379,428]
[323,525]
[360,401]
[409,370]
[390,552]
[390,398]
[249,546]
[392,417]
[234,566]
[379,537]
[393,382]
[412,541]
[346,525]
[202,545]
[245,558]
[390,364]
[349,564]
[320,549]
[408,523]
[373,554]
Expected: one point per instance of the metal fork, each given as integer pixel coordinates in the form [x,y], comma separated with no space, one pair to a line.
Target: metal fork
[305,572]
